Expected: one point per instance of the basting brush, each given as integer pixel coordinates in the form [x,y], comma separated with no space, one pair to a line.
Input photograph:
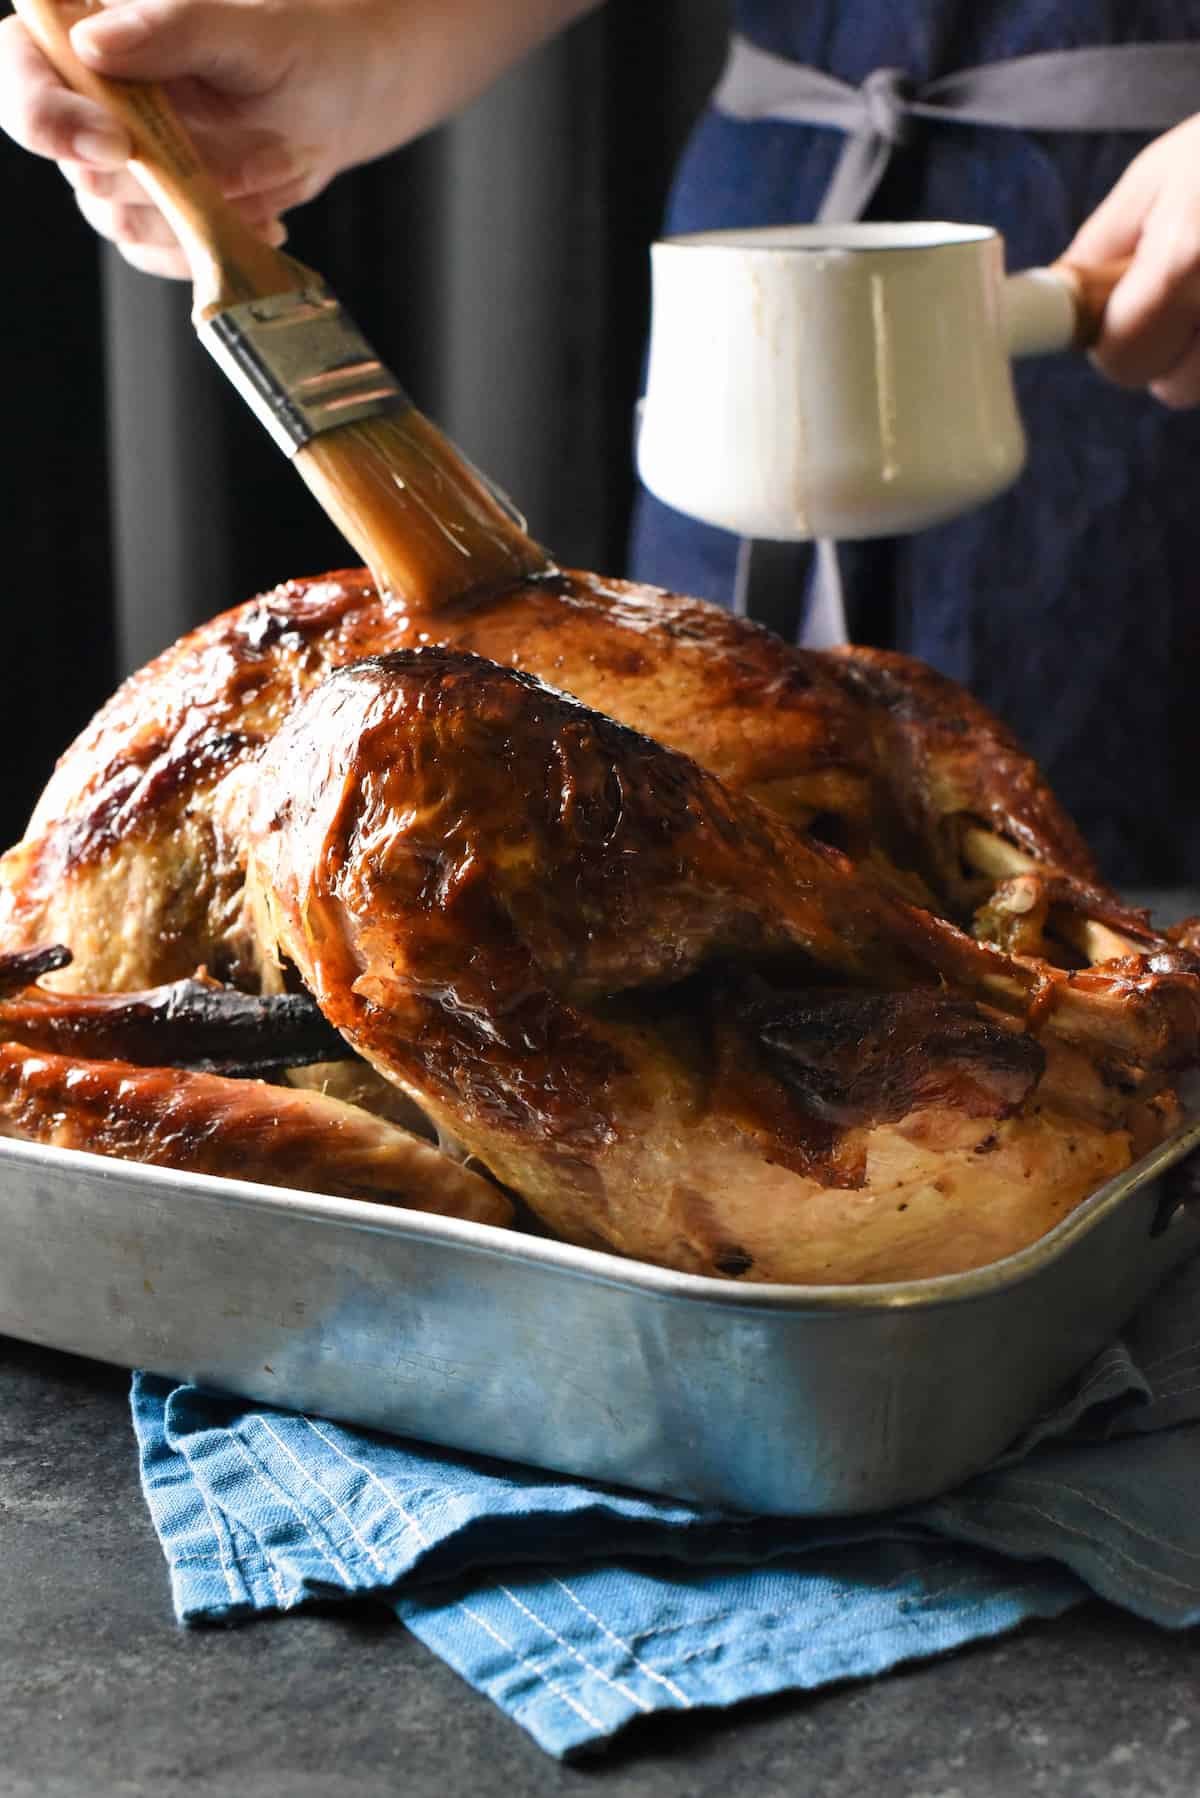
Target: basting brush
[427,524]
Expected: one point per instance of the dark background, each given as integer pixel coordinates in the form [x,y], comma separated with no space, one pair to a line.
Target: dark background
[499,265]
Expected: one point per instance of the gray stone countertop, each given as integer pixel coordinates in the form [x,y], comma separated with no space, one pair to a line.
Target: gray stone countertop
[101,1693]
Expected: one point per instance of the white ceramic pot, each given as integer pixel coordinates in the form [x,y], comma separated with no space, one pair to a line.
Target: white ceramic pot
[840,381]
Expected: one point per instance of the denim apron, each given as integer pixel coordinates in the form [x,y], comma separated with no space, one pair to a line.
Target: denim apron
[1071,604]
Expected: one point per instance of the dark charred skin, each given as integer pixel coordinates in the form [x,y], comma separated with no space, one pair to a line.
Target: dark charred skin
[188,1024]
[872,1058]
[24,966]
[707,1018]
[804,1071]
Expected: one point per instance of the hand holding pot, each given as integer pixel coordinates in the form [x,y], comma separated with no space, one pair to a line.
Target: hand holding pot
[847,381]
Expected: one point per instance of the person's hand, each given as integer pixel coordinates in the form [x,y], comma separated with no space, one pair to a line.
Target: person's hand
[1151,332]
[272,96]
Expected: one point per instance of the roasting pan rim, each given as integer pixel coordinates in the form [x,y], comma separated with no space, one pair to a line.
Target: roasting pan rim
[813,1401]
[573,1261]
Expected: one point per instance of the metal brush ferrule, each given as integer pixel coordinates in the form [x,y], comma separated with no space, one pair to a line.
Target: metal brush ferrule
[302,364]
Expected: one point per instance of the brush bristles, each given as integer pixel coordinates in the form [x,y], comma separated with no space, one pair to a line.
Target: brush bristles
[420,517]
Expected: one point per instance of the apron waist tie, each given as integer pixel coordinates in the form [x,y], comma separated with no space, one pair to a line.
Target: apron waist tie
[1107,87]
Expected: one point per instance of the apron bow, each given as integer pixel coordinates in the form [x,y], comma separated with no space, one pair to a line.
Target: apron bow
[886,96]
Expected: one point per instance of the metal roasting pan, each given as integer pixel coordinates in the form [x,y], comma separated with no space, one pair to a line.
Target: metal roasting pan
[785,1399]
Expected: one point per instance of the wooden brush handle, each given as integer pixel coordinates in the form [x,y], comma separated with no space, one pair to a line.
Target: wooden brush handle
[1091,285]
[229,263]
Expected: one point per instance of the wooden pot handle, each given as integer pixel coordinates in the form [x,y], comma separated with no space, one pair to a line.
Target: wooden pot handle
[1091,285]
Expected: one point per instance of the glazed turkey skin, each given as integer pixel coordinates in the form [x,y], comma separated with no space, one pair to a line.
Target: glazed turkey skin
[135,853]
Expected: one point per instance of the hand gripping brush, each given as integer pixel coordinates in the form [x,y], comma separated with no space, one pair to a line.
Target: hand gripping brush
[427,524]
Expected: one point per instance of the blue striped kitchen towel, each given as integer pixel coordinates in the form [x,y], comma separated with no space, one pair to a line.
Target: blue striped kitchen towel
[578,1608]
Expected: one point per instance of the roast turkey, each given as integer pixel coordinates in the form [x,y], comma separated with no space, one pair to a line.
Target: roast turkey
[729,956]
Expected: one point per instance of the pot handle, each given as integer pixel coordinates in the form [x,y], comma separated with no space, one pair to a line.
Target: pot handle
[1058,308]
